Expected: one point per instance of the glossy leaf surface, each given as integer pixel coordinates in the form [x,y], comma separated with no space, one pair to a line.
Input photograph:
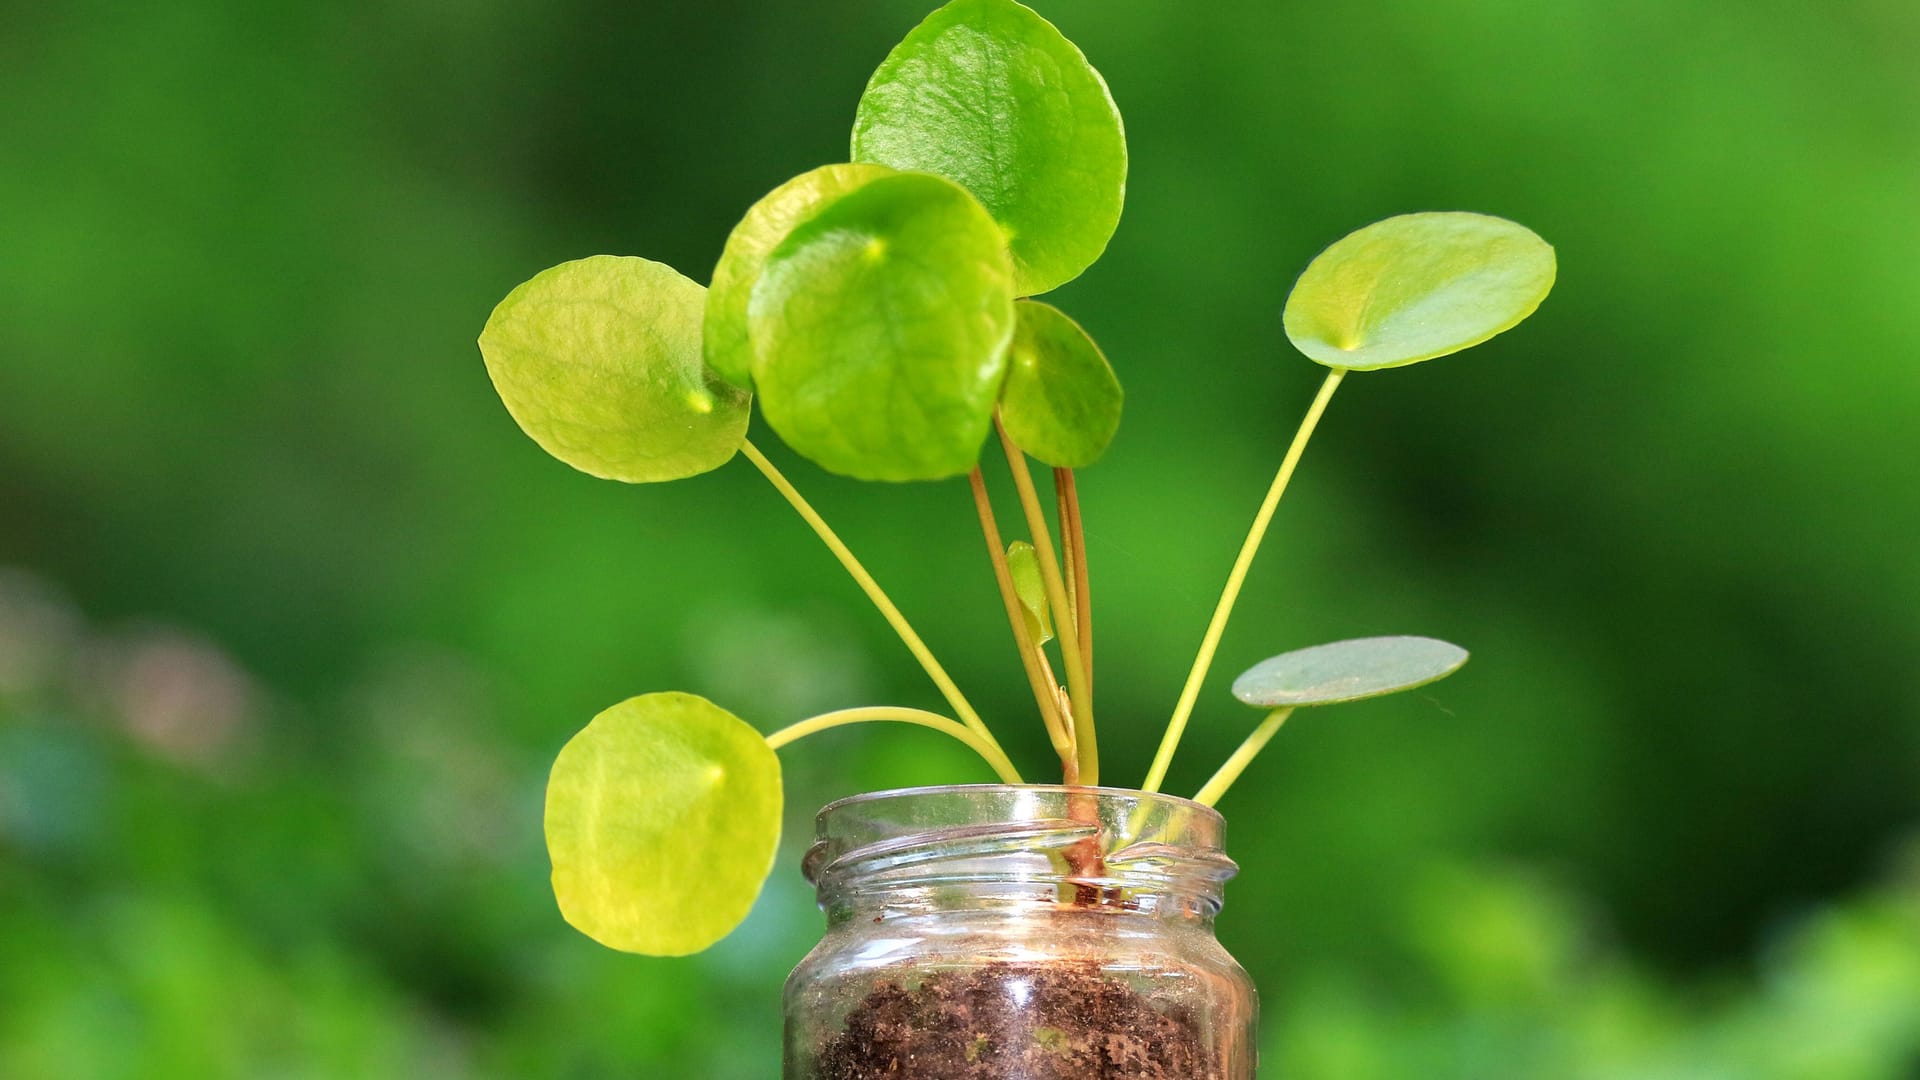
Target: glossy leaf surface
[599,361]
[1061,402]
[728,349]
[1415,287]
[662,817]
[1348,671]
[1023,563]
[989,94]
[880,331]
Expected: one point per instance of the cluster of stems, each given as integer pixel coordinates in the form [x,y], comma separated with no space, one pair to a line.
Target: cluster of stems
[1066,710]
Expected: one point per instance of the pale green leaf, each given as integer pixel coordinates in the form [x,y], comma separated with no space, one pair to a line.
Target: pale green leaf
[1061,402]
[989,94]
[728,349]
[662,818]
[880,331]
[1348,671]
[598,360]
[1415,287]
[1024,565]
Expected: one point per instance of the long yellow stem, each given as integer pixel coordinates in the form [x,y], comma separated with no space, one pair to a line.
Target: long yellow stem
[1218,625]
[1086,748]
[1031,657]
[1237,764]
[918,648]
[986,748]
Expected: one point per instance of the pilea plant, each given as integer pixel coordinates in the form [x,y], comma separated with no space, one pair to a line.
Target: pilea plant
[881,311]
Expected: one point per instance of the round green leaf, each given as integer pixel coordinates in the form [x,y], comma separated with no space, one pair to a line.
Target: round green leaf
[989,94]
[1417,286]
[1348,671]
[728,349]
[662,818]
[880,331]
[599,361]
[1061,402]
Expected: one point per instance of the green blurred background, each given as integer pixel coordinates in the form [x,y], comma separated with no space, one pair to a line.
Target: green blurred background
[292,618]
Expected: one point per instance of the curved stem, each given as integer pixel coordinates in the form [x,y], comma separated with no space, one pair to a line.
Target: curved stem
[986,748]
[1086,748]
[1230,771]
[1031,657]
[874,593]
[1211,642]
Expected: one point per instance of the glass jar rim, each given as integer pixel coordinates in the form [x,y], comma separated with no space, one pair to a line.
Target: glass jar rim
[1133,794]
[1015,835]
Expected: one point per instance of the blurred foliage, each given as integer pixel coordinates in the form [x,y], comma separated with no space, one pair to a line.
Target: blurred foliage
[189,891]
[272,806]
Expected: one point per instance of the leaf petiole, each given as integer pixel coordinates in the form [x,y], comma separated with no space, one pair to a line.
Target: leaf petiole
[1211,642]
[1086,748]
[1032,658]
[986,748]
[1230,770]
[1073,539]
[917,647]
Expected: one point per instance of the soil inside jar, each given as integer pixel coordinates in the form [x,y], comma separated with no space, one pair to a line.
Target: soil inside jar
[1011,1021]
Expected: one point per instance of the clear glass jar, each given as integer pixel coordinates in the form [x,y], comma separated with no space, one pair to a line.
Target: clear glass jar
[1001,932]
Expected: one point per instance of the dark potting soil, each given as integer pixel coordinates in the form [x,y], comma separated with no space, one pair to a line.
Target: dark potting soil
[1075,1023]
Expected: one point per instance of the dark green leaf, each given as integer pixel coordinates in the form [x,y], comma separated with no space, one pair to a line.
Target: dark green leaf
[1061,402]
[989,94]
[880,331]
